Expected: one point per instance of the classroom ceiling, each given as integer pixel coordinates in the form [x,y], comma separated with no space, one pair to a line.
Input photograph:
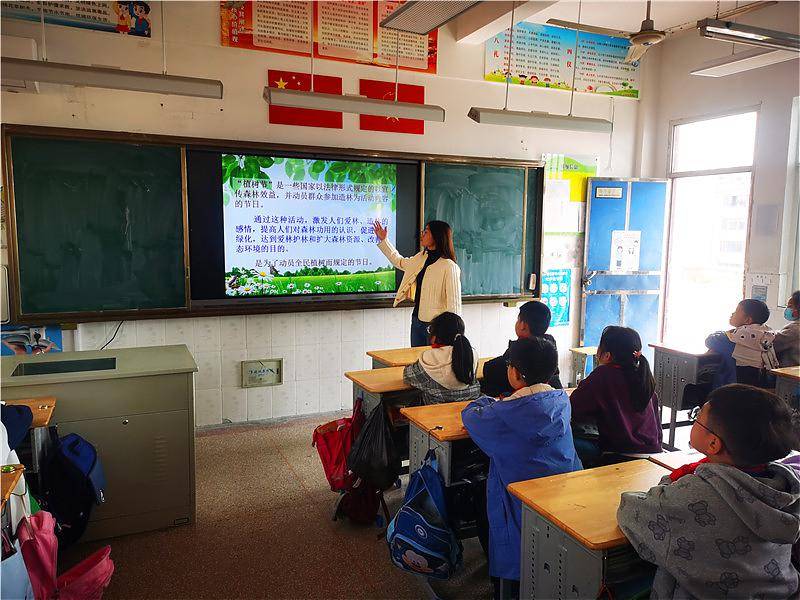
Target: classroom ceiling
[628,15]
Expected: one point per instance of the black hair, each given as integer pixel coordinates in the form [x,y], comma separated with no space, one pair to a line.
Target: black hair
[534,358]
[756,310]
[755,425]
[443,237]
[795,298]
[448,328]
[536,315]
[625,347]
[145,5]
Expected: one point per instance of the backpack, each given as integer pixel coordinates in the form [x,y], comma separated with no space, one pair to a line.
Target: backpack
[73,482]
[333,441]
[419,537]
[374,457]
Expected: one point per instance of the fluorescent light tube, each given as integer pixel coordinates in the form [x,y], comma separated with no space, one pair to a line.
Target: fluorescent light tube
[353,104]
[422,17]
[747,34]
[744,61]
[115,79]
[540,120]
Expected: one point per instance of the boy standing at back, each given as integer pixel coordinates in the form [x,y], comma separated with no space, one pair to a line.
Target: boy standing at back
[533,321]
[526,435]
[724,527]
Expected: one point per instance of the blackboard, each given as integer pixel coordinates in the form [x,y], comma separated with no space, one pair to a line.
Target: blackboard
[495,223]
[99,226]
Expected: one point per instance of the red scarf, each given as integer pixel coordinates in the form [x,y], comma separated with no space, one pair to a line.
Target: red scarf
[436,345]
[690,468]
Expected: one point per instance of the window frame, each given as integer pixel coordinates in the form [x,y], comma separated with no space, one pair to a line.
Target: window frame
[672,176]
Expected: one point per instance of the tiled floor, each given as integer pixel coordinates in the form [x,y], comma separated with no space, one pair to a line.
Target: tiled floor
[264,530]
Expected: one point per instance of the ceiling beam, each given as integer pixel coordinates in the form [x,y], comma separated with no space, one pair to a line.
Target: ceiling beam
[487,19]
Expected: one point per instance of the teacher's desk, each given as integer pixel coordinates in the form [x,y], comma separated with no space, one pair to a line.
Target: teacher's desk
[571,544]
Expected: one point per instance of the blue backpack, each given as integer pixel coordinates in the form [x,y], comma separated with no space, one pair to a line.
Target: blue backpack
[419,537]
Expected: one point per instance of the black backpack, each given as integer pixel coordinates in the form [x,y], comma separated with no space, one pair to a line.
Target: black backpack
[73,482]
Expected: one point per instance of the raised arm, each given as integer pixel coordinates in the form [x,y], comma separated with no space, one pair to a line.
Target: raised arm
[389,251]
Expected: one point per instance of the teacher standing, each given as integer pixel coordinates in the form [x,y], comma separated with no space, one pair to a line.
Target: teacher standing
[431,277]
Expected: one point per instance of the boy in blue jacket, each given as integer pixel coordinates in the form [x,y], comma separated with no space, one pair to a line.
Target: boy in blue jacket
[526,435]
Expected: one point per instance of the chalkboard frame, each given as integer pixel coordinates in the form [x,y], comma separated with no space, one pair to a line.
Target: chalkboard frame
[14,129]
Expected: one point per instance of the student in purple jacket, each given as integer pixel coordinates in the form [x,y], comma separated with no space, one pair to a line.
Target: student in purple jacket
[619,397]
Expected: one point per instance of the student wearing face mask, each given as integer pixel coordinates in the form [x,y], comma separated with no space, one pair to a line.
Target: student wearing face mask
[787,340]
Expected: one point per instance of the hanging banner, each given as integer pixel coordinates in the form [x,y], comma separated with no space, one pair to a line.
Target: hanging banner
[128,18]
[574,169]
[343,31]
[384,90]
[544,56]
[556,287]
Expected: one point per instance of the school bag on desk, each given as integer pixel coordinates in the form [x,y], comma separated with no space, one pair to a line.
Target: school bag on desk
[420,538]
[73,482]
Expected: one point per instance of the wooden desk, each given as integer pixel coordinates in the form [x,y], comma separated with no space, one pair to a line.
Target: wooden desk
[42,409]
[8,481]
[377,385]
[787,385]
[580,356]
[397,357]
[570,537]
[673,370]
[673,460]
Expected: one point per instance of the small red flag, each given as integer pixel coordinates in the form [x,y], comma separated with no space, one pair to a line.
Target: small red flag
[307,117]
[384,90]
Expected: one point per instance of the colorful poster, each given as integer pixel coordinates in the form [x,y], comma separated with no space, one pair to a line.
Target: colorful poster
[384,90]
[30,339]
[625,247]
[544,56]
[308,117]
[575,169]
[304,226]
[344,31]
[556,287]
[128,18]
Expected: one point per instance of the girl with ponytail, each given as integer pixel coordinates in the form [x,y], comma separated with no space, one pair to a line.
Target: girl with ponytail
[619,396]
[446,372]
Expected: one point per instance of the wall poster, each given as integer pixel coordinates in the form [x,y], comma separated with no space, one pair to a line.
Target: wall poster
[574,169]
[543,56]
[343,31]
[127,18]
[556,289]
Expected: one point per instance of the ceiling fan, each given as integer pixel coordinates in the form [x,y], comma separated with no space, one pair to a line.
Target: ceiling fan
[648,35]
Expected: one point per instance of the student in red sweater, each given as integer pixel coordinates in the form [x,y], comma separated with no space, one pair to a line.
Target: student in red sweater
[619,397]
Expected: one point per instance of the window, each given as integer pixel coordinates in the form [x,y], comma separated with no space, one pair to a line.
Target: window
[711,167]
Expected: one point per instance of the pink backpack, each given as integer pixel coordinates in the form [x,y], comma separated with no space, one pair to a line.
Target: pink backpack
[85,581]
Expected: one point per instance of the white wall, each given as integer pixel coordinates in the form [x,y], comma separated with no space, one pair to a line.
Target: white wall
[316,347]
[679,95]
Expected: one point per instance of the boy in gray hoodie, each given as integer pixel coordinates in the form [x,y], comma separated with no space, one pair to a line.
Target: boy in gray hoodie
[724,527]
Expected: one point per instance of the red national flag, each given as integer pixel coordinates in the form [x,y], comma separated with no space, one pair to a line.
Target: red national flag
[384,90]
[308,117]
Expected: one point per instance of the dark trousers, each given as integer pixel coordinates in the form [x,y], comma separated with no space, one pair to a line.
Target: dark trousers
[419,332]
[755,376]
[505,589]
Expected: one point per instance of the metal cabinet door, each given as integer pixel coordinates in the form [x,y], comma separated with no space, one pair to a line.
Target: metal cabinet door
[613,293]
[145,459]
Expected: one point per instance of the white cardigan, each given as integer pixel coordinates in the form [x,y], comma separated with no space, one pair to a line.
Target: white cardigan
[441,286]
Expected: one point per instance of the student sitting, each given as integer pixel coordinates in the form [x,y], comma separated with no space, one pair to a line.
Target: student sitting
[526,435]
[446,372]
[753,351]
[533,320]
[724,527]
[787,340]
[619,396]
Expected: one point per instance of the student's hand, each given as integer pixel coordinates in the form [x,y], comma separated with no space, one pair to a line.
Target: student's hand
[380,231]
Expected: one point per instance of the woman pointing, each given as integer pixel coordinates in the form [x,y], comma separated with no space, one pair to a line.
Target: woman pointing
[431,277]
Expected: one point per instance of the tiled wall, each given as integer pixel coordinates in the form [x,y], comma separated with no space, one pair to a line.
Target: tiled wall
[317,348]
